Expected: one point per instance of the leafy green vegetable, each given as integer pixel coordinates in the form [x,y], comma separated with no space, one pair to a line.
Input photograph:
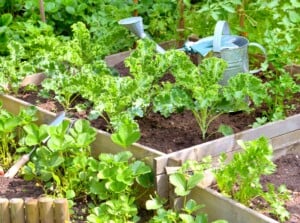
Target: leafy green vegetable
[240,178]
[198,88]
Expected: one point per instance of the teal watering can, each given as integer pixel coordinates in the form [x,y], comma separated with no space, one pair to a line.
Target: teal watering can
[232,48]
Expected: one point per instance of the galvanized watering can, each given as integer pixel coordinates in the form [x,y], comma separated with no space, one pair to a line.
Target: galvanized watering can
[233,49]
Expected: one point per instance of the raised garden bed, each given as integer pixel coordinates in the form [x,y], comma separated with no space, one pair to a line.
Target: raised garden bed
[159,135]
[284,137]
[102,144]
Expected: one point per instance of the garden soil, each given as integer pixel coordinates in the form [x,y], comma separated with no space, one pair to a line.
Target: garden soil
[167,135]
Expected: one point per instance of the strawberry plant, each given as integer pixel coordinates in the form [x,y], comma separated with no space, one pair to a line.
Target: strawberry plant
[61,164]
[11,131]
[240,178]
[114,181]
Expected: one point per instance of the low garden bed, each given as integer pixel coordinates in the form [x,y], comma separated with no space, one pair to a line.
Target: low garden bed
[285,149]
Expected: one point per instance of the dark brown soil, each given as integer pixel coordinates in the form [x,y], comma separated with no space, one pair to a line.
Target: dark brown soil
[288,173]
[167,135]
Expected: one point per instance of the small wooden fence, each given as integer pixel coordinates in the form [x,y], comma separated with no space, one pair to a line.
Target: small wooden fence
[29,210]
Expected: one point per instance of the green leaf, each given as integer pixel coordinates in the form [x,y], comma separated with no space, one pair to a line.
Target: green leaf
[180,183]
[51,7]
[70,194]
[6,19]
[192,206]
[194,180]
[116,187]
[225,130]
[70,10]
[186,218]
[127,134]
[56,161]
[228,8]
[155,203]
[139,168]
[294,16]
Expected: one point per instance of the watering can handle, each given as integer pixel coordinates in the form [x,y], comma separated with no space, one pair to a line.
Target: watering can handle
[221,28]
[264,52]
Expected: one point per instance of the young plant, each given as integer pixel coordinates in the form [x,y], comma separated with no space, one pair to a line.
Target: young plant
[240,178]
[184,180]
[198,88]
[11,131]
[114,181]
[282,88]
[119,100]
[61,164]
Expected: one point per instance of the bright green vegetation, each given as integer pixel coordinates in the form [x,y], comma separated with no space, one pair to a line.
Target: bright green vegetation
[71,54]
[183,182]
[11,132]
[240,177]
[112,184]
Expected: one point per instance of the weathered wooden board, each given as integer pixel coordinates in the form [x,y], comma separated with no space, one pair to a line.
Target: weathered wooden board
[228,144]
[102,144]
[285,140]
[218,206]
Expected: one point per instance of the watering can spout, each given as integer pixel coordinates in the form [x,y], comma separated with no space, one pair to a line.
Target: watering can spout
[135,25]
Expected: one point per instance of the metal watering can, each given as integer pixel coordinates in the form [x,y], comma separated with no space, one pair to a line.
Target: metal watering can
[233,49]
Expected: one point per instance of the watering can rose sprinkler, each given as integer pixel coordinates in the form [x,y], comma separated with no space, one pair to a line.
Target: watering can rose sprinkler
[231,48]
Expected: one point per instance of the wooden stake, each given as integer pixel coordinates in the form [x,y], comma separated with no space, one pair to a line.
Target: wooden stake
[17,210]
[135,12]
[4,211]
[46,210]
[31,210]
[61,210]
[241,13]
[42,11]
[181,23]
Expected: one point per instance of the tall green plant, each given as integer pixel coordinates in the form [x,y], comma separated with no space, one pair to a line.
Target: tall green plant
[198,88]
